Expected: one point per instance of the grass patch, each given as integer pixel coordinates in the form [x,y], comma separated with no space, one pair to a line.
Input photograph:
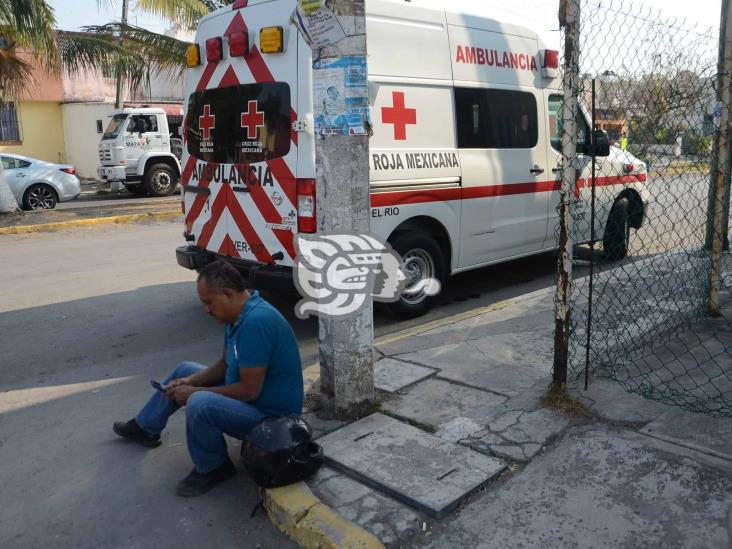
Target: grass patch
[103,192]
[559,399]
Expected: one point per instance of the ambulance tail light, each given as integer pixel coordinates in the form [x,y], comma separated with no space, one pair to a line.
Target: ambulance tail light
[306,220]
[550,63]
[214,49]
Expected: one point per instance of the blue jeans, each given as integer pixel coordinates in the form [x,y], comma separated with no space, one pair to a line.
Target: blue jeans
[208,417]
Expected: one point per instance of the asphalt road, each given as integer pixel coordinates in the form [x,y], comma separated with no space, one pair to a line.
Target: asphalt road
[88,316]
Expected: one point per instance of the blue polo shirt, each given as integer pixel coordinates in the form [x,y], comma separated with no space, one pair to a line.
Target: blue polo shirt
[262,337]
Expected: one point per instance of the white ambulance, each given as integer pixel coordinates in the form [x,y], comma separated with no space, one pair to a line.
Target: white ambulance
[464,157]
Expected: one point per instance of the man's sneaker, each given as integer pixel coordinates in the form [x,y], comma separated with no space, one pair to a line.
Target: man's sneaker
[132,431]
[197,483]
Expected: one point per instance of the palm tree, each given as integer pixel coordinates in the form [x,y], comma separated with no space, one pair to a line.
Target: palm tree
[29,25]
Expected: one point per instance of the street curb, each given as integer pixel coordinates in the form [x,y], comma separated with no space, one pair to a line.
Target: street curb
[311,524]
[58,225]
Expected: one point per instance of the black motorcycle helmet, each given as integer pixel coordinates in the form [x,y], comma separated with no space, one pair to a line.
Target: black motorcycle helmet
[281,451]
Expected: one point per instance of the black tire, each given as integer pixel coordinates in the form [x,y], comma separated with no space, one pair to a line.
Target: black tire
[423,257]
[617,232]
[40,197]
[160,180]
[136,190]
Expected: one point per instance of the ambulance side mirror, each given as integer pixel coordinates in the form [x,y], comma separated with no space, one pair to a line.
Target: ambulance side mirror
[602,144]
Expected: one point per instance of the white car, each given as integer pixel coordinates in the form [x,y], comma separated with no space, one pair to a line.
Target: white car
[37,184]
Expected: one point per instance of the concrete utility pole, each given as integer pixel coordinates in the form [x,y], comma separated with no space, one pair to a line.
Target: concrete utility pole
[119,100]
[569,18]
[343,202]
[722,168]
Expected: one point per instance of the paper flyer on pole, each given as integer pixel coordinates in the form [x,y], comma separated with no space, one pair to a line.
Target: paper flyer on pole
[319,28]
[340,95]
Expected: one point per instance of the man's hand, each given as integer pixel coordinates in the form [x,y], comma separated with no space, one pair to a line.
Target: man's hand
[181,393]
[180,381]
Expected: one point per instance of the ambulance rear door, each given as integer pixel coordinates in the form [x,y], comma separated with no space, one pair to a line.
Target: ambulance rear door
[246,104]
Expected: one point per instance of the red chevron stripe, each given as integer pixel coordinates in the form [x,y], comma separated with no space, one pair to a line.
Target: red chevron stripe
[217,209]
[200,200]
[257,65]
[208,72]
[247,231]
[285,177]
[269,213]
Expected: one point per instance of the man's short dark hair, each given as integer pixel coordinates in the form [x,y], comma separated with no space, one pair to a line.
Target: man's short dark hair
[219,275]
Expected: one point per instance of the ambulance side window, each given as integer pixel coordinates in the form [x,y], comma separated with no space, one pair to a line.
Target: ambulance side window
[555,123]
[495,119]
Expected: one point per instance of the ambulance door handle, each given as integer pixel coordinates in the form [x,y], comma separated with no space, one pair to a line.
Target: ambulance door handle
[536,171]
[556,170]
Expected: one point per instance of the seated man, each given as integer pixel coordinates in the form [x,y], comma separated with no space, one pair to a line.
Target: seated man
[259,374]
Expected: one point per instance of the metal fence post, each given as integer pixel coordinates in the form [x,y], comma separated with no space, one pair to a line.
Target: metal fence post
[722,168]
[569,18]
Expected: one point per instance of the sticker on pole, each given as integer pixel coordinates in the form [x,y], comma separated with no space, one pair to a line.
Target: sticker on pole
[341,96]
[310,6]
[319,27]
[336,274]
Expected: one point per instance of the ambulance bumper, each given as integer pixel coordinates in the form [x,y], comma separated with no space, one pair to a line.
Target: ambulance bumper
[256,275]
[192,257]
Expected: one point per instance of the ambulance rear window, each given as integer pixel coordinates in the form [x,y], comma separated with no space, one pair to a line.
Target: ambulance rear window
[239,124]
[495,119]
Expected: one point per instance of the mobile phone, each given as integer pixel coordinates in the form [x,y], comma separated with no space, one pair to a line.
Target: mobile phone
[158,386]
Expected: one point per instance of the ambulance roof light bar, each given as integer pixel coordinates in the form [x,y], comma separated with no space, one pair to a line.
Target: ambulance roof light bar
[239,44]
[193,56]
[214,49]
[272,39]
[549,63]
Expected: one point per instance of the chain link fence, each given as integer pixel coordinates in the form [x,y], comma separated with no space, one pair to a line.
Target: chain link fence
[636,267]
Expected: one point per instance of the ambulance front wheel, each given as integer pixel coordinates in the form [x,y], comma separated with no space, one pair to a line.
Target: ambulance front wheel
[424,262]
[616,239]
[160,180]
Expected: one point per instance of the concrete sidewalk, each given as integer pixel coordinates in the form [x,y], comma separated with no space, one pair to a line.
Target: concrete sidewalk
[464,432]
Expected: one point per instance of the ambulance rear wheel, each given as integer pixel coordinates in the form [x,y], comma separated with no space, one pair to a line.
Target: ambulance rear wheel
[160,180]
[616,239]
[423,260]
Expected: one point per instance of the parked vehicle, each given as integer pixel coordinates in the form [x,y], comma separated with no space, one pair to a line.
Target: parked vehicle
[138,149]
[465,155]
[37,184]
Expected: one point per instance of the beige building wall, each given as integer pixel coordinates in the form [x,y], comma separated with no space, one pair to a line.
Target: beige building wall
[41,131]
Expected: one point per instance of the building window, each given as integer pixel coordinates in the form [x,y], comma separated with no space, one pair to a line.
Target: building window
[100,127]
[495,119]
[9,125]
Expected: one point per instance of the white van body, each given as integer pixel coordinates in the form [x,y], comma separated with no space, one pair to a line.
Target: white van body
[464,146]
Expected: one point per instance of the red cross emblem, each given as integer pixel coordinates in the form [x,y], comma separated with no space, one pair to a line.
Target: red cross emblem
[207,122]
[252,119]
[398,115]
